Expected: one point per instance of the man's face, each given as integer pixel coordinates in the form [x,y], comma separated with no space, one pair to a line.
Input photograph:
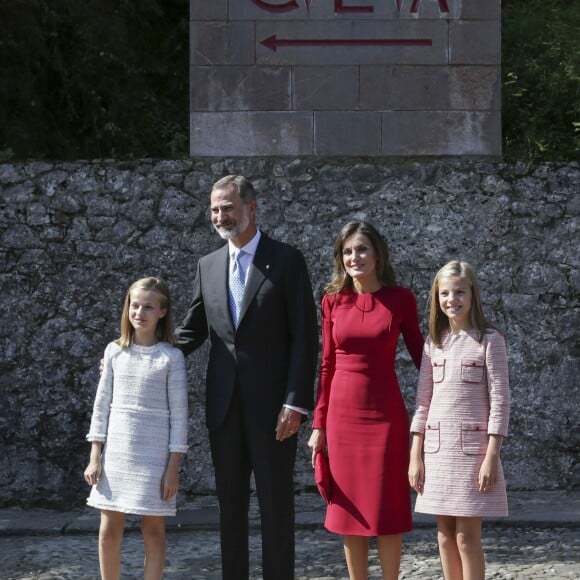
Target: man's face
[229,215]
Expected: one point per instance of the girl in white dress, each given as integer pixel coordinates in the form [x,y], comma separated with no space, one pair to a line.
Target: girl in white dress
[138,429]
[461,418]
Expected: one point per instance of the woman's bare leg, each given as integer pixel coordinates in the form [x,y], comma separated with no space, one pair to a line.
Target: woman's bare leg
[389,549]
[356,550]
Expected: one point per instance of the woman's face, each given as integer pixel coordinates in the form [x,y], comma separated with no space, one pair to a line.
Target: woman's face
[359,257]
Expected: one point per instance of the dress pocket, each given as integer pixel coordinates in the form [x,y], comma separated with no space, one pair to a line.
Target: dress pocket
[473,438]
[472,370]
[438,365]
[432,440]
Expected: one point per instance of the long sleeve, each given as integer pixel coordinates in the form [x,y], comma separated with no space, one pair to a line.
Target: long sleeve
[498,384]
[327,366]
[411,330]
[103,399]
[303,330]
[177,399]
[424,391]
[193,331]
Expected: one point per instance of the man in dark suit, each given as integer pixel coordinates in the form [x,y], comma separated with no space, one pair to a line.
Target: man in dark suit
[253,299]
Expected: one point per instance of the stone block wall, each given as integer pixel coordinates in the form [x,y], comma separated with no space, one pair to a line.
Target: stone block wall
[356,77]
[73,236]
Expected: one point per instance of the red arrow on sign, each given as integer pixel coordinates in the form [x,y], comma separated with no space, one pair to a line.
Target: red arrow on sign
[273,42]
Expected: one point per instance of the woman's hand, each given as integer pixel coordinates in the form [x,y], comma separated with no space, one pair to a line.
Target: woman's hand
[317,442]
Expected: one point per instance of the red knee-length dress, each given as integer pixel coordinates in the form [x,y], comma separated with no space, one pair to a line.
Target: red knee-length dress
[359,404]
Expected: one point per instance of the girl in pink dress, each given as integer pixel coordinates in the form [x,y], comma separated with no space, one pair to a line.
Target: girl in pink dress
[360,417]
[461,418]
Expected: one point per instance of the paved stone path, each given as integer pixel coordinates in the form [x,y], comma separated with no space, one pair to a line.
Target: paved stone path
[540,540]
[194,555]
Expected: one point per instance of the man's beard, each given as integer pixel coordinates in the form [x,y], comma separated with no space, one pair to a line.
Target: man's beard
[235,232]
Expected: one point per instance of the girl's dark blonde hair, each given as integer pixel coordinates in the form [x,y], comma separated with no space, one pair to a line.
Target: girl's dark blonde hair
[164,330]
[438,321]
[385,272]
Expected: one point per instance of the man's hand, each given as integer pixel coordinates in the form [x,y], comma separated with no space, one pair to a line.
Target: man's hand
[288,423]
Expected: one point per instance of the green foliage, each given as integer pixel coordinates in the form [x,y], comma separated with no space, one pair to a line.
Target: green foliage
[541,88]
[6,155]
[94,78]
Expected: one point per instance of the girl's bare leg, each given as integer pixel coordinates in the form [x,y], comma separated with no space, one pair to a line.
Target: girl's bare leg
[448,549]
[356,550]
[468,537]
[153,530]
[389,549]
[110,537]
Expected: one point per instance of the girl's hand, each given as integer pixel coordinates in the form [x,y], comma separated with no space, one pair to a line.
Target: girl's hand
[93,471]
[488,473]
[416,465]
[416,473]
[317,442]
[169,485]
[170,479]
[488,470]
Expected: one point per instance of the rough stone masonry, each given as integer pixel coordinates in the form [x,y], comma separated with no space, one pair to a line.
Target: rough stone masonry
[75,235]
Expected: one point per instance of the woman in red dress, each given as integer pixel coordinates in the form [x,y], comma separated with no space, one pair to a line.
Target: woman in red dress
[360,418]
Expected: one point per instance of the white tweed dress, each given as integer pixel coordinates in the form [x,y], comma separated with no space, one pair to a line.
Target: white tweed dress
[140,414]
[462,396]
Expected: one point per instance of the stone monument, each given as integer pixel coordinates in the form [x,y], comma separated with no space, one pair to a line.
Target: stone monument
[345,77]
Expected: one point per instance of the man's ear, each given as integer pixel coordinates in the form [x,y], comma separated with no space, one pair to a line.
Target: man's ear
[253,207]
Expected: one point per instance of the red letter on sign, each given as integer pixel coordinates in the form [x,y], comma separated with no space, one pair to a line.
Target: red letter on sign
[443,7]
[340,7]
[291,5]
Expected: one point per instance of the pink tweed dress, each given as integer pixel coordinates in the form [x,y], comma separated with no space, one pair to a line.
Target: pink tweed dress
[462,396]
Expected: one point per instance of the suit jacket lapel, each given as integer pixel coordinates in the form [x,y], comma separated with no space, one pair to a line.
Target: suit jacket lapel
[259,271]
[219,277]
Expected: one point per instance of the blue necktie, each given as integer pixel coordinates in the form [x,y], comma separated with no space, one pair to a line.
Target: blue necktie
[237,285]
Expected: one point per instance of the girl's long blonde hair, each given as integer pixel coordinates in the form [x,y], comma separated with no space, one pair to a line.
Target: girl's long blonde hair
[385,272]
[164,330]
[438,321]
